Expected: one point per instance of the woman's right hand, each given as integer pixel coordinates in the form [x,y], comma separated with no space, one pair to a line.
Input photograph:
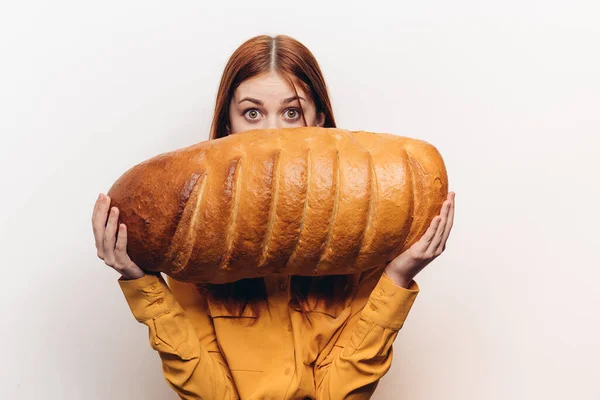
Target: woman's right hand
[112,248]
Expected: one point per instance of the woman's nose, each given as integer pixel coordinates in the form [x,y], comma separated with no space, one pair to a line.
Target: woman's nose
[274,123]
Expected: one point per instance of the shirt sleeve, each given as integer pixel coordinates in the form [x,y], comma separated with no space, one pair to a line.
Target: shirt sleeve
[363,352]
[187,365]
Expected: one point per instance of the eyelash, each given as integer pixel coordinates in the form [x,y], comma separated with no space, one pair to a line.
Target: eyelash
[285,111]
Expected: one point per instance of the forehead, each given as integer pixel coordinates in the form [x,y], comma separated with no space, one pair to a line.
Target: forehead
[271,86]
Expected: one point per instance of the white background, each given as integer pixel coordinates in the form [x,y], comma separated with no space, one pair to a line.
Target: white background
[509,92]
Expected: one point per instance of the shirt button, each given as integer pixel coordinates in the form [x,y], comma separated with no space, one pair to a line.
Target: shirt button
[287,371]
[283,285]
[289,327]
[380,292]
[153,286]
[159,301]
[167,311]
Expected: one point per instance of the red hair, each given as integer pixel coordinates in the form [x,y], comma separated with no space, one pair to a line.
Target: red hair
[290,58]
[262,54]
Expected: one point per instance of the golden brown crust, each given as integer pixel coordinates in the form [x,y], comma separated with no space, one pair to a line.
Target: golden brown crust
[304,201]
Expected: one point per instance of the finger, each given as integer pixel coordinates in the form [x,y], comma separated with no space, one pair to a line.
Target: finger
[95,212]
[110,236]
[437,238]
[96,203]
[426,239]
[448,227]
[99,223]
[121,257]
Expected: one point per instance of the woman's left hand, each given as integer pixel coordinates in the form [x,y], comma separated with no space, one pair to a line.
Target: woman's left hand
[409,263]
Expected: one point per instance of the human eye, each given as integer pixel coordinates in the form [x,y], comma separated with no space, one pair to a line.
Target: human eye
[251,114]
[292,113]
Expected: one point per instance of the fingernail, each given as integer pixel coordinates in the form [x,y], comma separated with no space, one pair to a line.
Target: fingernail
[99,196]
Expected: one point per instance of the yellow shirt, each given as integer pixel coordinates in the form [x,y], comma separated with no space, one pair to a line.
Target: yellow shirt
[209,354]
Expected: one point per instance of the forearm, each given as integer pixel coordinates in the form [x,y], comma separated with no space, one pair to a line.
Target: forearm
[355,371]
[189,368]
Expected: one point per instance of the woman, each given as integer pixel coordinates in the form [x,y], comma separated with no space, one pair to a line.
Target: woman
[279,336]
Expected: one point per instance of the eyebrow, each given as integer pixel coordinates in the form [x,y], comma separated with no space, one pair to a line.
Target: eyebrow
[260,102]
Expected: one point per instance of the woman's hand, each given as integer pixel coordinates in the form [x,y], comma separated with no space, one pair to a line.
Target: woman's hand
[408,264]
[112,248]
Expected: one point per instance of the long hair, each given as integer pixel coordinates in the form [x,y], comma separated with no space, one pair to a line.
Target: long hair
[290,58]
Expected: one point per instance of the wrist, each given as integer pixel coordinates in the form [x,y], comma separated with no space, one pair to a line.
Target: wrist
[127,277]
[399,279]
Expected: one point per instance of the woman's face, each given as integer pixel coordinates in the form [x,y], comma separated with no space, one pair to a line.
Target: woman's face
[267,101]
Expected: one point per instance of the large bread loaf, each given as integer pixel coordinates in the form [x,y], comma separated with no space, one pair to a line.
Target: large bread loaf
[303,201]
